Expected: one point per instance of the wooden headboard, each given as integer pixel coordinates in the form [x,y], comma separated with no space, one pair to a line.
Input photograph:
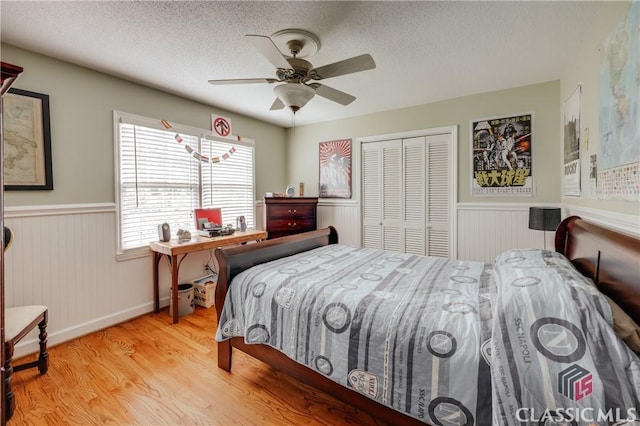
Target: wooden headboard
[609,258]
[233,260]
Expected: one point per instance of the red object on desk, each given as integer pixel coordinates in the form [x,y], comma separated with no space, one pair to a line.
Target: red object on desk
[212,215]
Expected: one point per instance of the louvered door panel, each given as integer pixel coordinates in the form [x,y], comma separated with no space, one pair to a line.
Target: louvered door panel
[414,241]
[392,203]
[413,161]
[372,236]
[438,243]
[392,238]
[438,188]
[371,196]
[391,183]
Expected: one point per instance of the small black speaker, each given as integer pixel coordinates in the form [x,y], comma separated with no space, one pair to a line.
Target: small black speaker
[164,233]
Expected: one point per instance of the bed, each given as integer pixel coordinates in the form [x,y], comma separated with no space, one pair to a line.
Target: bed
[534,336]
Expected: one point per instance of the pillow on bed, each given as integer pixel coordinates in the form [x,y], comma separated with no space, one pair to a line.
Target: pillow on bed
[624,326]
[532,258]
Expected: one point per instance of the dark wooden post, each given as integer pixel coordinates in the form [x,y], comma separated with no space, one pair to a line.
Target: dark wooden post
[9,74]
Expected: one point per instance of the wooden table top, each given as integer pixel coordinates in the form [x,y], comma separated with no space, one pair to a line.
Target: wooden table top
[198,242]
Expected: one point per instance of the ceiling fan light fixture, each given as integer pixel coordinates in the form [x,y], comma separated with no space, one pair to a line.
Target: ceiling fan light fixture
[294,95]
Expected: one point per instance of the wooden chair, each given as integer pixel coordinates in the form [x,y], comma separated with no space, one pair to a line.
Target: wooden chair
[18,322]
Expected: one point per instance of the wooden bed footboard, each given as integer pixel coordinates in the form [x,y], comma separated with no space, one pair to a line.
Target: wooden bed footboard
[233,260]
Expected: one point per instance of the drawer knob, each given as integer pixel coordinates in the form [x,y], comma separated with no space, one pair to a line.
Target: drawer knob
[294,211]
[292,224]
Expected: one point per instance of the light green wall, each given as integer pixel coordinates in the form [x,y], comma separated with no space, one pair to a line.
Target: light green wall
[584,69]
[545,100]
[541,99]
[82,103]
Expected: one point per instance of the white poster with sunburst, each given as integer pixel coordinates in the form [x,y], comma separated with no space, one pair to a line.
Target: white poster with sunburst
[335,169]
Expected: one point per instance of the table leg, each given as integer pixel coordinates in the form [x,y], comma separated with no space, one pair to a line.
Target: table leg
[156,285]
[174,287]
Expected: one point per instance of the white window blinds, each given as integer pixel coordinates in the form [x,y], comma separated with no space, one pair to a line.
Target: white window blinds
[158,180]
[229,184]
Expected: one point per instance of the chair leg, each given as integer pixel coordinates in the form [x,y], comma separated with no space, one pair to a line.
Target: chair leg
[43,359]
[9,400]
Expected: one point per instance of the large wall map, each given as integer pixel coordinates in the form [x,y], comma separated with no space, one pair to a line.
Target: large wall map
[619,155]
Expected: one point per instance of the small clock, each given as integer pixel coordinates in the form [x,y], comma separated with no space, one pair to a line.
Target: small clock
[291,191]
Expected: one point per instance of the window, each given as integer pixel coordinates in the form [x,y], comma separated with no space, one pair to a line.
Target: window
[229,184]
[159,178]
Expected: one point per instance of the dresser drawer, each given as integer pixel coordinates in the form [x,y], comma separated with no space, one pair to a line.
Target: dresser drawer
[291,211]
[299,224]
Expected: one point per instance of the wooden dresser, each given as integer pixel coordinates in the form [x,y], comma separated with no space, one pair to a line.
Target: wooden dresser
[290,215]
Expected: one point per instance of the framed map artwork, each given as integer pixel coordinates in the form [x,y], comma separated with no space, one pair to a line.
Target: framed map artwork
[27,141]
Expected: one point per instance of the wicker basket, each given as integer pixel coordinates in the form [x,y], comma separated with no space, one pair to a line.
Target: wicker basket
[204,289]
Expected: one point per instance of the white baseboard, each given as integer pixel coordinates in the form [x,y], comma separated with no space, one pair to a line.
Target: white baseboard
[31,346]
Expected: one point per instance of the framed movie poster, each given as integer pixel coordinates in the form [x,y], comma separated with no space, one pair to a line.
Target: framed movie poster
[571,121]
[501,156]
[27,141]
[335,169]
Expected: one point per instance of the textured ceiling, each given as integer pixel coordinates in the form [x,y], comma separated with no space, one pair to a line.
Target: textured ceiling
[424,51]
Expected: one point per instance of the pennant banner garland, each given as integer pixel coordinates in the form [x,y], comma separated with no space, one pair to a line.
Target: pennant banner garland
[195,154]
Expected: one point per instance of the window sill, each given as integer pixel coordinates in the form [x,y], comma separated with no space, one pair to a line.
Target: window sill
[131,254]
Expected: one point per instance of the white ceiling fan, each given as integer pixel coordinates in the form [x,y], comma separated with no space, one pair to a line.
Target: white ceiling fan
[297,75]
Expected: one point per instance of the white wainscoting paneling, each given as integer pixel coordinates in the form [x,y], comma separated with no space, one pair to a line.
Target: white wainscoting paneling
[487,229]
[64,257]
[344,216]
[259,215]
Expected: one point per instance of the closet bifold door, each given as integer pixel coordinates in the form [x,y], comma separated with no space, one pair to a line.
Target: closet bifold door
[382,195]
[438,184]
[414,195]
[371,200]
[392,195]
[406,188]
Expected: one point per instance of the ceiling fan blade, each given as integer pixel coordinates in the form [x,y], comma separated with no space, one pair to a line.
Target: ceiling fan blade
[332,94]
[348,66]
[244,81]
[277,104]
[266,46]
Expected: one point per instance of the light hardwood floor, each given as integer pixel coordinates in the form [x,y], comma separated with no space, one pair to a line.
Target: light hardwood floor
[149,372]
